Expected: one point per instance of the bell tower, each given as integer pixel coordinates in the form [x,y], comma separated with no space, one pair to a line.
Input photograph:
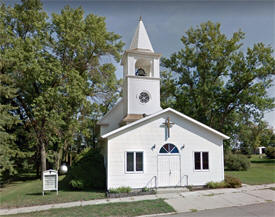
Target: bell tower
[141,78]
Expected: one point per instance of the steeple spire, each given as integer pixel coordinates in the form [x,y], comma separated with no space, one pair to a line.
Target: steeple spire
[141,39]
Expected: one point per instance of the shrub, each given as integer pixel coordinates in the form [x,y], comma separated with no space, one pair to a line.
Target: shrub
[229,182]
[213,185]
[145,189]
[270,152]
[79,156]
[120,190]
[77,184]
[232,182]
[87,172]
[236,162]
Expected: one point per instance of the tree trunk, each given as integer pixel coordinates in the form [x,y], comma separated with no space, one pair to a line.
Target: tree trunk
[37,162]
[37,167]
[71,159]
[58,160]
[43,158]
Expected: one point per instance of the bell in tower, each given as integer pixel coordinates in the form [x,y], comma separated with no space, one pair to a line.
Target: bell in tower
[140,72]
[143,66]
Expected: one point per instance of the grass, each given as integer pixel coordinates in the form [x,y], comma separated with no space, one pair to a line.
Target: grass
[29,193]
[145,207]
[209,195]
[262,171]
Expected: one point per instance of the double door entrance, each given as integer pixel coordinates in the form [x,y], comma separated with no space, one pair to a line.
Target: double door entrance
[168,170]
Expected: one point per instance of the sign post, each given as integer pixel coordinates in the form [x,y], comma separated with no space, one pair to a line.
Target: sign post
[50,181]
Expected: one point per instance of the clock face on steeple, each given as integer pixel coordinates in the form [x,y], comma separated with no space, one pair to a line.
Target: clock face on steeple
[144,97]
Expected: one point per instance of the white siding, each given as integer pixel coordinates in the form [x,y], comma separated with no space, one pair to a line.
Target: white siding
[136,85]
[112,119]
[144,136]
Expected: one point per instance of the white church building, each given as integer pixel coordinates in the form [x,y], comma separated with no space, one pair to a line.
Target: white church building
[147,146]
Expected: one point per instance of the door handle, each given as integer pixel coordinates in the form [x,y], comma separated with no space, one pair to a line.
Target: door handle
[170,172]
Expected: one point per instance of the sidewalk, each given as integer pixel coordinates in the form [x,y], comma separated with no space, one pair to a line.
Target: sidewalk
[220,198]
[180,201]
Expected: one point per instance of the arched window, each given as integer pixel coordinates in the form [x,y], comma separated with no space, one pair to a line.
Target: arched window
[169,148]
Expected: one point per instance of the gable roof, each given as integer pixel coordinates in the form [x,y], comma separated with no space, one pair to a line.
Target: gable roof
[110,111]
[141,39]
[161,112]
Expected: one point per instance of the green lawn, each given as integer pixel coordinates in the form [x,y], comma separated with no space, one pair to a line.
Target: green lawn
[145,207]
[262,171]
[29,193]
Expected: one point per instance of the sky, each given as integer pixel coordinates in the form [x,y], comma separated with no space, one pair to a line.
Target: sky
[167,20]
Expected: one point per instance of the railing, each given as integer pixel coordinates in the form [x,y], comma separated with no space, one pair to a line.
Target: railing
[154,178]
[186,180]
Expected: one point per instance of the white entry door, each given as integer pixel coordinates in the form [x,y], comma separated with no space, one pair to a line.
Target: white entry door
[168,170]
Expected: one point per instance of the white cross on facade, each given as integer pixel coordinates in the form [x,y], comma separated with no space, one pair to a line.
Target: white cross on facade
[168,125]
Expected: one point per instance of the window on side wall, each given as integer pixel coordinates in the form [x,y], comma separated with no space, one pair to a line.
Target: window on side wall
[134,161]
[201,160]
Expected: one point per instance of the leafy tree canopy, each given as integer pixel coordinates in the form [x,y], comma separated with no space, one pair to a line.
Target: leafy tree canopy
[57,67]
[214,81]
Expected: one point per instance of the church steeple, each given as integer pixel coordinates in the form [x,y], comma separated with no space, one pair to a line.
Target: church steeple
[141,39]
[141,80]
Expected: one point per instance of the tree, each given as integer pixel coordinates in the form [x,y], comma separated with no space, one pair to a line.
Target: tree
[253,135]
[56,65]
[7,121]
[8,149]
[268,137]
[212,80]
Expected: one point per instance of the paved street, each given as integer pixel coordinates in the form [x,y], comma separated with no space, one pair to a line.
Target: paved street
[266,209]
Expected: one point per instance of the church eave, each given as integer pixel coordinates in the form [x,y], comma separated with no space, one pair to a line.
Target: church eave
[142,77]
[139,52]
[161,112]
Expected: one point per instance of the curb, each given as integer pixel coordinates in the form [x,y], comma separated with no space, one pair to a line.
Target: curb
[158,214]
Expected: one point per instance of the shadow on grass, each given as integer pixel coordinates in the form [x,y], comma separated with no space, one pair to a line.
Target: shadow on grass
[24,177]
[66,190]
[48,193]
[63,185]
[34,194]
[18,178]
[228,170]
[265,161]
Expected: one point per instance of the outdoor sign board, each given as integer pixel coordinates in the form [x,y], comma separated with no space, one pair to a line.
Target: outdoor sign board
[50,181]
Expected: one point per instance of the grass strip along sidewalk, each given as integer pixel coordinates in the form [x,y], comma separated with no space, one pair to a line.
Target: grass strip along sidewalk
[145,207]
